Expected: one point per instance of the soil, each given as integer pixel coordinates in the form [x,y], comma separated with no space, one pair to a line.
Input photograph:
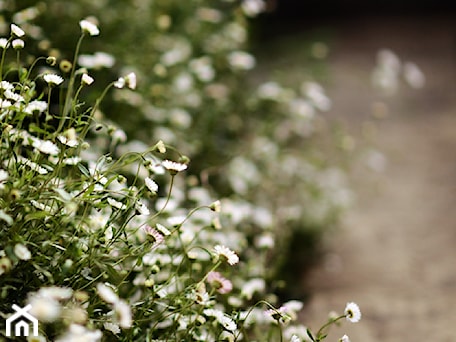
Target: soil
[395,252]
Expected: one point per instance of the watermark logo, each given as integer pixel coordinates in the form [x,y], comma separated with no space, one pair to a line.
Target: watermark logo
[20,321]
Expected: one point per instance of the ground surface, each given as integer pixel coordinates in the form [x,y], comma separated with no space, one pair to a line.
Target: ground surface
[395,254]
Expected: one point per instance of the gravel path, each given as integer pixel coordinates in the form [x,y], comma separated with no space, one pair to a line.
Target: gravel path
[395,254]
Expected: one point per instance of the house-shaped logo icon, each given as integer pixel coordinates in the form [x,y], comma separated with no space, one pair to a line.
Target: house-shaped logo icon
[21,322]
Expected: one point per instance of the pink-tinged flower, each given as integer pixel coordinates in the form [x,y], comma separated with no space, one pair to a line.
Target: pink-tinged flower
[219,282]
[224,253]
[154,234]
[352,312]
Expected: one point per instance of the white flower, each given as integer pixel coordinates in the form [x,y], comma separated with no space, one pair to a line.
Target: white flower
[86,79]
[114,328]
[71,160]
[22,252]
[44,308]
[352,312]
[36,106]
[88,27]
[56,292]
[162,229]
[223,319]
[96,61]
[120,83]
[160,146]
[38,338]
[241,60]
[223,252]
[151,185]
[42,206]
[3,178]
[173,167]
[129,81]
[68,141]
[10,95]
[413,75]
[116,204]
[123,312]
[344,339]
[18,44]
[251,8]
[216,206]
[107,293]
[78,332]
[53,79]
[142,208]
[17,31]
[5,85]
[295,338]
[3,44]
[227,322]
[156,236]
[45,146]
[252,286]
[32,165]
[220,283]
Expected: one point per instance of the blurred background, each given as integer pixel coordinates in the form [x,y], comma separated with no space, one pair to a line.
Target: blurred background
[394,253]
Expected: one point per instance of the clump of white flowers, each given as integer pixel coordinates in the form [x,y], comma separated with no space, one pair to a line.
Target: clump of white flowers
[133,245]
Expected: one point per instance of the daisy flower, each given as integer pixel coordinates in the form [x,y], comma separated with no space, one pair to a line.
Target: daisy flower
[35,106]
[52,79]
[17,31]
[295,338]
[86,79]
[219,282]
[4,43]
[129,81]
[216,206]
[162,229]
[227,254]
[18,44]
[116,204]
[22,252]
[106,293]
[88,27]
[344,339]
[151,185]
[173,167]
[152,232]
[352,312]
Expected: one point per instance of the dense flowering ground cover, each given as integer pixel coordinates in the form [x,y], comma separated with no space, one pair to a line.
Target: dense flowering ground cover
[109,231]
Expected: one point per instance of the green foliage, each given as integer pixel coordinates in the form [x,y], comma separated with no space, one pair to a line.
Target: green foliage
[103,235]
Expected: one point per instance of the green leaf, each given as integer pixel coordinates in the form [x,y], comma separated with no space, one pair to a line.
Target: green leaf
[310,335]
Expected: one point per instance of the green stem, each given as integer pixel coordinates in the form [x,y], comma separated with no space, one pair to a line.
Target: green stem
[93,110]
[327,324]
[68,101]
[3,57]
